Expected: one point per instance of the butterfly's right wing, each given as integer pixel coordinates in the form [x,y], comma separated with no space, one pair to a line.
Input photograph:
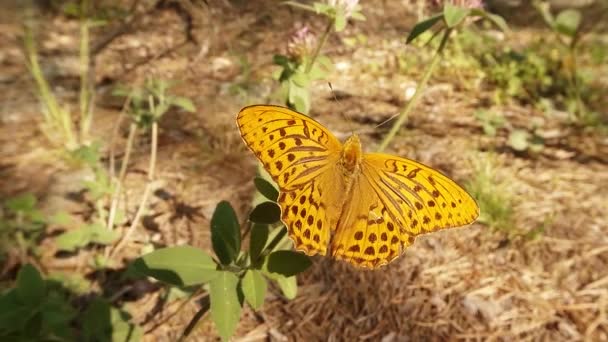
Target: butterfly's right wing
[300,155]
[394,200]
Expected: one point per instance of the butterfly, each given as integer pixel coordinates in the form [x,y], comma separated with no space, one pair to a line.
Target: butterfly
[363,208]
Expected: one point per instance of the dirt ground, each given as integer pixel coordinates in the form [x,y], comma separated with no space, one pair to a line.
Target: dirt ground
[471,283]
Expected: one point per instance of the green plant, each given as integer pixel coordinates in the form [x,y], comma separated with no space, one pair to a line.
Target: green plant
[21,223]
[491,121]
[567,27]
[493,196]
[303,62]
[58,125]
[234,277]
[145,106]
[41,310]
[451,18]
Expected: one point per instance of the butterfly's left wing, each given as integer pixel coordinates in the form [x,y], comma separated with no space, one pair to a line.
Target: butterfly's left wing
[301,156]
[293,148]
[393,200]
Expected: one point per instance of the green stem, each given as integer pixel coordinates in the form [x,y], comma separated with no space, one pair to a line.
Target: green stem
[277,239]
[147,190]
[121,176]
[322,41]
[85,82]
[408,107]
[194,321]
[574,82]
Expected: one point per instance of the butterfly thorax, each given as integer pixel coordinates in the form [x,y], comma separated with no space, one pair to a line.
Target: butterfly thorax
[350,157]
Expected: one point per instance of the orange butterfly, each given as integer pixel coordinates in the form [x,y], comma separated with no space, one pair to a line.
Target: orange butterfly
[365,207]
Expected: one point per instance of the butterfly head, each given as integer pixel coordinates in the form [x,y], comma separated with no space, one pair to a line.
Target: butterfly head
[351,153]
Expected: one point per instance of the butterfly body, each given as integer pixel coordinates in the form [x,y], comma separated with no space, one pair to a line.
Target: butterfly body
[363,208]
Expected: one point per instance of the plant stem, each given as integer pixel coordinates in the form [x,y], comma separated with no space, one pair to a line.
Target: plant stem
[194,321]
[121,176]
[86,93]
[574,81]
[275,241]
[322,41]
[147,190]
[421,86]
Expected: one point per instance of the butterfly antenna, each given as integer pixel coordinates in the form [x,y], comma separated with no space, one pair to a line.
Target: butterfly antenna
[347,119]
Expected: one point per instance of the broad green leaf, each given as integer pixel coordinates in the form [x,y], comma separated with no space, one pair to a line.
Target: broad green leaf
[257,241]
[183,103]
[518,139]
[254,288]
[423,26]
[180,266]
[568,21]
[289,286]
[266,188]
[288,263]
[453,15]
[30,286]
[266,213]
[225,305]
[225,233]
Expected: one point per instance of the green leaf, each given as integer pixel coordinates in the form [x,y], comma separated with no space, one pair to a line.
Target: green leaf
[30,286]
[257,242]
[12,312]
[567,22]
[288,263]
[339,21]
[498,21]
[299,97]
[92,233]
[453,15]
[89,155]
[289,286]
[225,233]
[98,233]
[302,79]
[102,322]
[266,188]
[180,266]
[266,213]
[183,103]
[423,26]
[225,305]
[518,140]
[22,203]
[358,16]
[299,5]
[254,288]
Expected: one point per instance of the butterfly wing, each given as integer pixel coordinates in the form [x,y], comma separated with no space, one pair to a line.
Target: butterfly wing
[393,200]
[293,148]
[300,155]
